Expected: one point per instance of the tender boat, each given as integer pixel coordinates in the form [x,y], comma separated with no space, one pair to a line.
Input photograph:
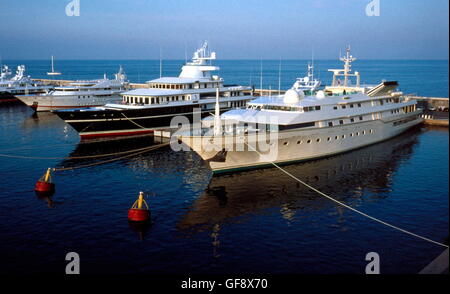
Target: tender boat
[297,127]
[80,94]
[147,109]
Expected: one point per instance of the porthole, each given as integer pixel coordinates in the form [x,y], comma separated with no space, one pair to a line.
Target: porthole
[343,136]
[285,143]
[299,142]
[318,140]
[328,139]
[309,141]
[336,138]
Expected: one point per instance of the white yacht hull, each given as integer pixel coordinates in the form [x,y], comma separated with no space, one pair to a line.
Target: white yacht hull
[53,102]
[299,145]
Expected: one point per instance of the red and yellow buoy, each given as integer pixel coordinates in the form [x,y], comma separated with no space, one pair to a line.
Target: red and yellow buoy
[45,184]
[139,212]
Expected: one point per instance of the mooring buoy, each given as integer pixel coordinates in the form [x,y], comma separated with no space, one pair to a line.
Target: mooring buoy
[139,211]
[45,184]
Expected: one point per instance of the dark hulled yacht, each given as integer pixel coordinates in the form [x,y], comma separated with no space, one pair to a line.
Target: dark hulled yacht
[147,109]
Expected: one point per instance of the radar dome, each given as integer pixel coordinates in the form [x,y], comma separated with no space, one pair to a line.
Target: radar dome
[320,94]
[291,96]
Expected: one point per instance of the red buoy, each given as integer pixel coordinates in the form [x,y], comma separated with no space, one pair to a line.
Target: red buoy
[44,187]
[45,184]
[137,212]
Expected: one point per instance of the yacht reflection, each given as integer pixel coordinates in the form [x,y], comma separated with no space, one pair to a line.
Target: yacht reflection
[361,175]
[102,147]
[41,119]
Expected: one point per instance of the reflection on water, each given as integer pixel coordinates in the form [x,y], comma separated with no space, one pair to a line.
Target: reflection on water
[345,177]
[102,147]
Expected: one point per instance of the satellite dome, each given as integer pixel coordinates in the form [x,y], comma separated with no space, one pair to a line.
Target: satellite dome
[320,94]
[291,96]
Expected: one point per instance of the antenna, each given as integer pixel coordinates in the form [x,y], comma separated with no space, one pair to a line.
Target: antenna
[185,53]
[160,62]
[261,76]
[279,78]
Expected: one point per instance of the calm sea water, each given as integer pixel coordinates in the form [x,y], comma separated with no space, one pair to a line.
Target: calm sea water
[253,222]
[421,77]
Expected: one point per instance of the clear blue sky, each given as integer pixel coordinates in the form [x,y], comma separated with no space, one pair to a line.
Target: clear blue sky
[244,29]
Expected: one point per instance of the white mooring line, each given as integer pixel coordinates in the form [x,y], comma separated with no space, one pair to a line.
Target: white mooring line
[351,208]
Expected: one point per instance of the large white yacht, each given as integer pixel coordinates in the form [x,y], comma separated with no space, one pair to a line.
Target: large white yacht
[80,94]
[296,127]
[19,84]
[147,109]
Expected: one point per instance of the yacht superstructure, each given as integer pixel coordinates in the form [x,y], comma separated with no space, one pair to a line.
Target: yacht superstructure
[20,84]
[147,109]
[307,84]
[80,94]
[296,127]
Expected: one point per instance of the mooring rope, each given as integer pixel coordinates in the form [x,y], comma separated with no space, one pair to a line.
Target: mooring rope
[349,207]
[74,157]
[135,122]
[111,160]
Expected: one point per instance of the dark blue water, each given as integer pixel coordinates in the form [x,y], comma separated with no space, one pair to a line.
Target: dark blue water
[253,222]
[421,77]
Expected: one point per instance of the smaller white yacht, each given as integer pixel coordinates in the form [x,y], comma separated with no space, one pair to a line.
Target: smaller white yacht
[80,94]
[307,84]
[20,84]
[53,72]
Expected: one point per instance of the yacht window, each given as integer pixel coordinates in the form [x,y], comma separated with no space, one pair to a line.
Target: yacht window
[352,120]
[359,104]
[317,107]
[351,105]
[344,107]
[296,126]
[360,118]
[330,123]
[341,122]
[146,100]
[334,107]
